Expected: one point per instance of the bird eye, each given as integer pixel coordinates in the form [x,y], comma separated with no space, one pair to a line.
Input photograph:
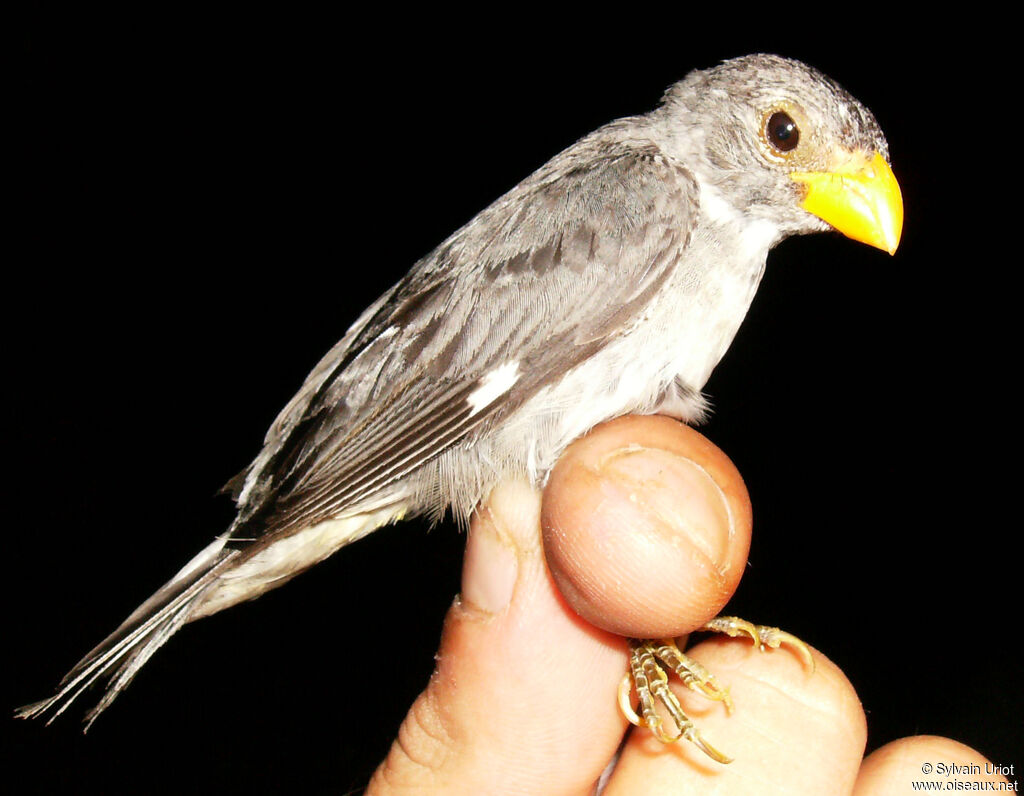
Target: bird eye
[782,132]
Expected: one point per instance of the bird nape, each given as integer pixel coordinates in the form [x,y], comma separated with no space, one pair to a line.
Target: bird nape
[610,281]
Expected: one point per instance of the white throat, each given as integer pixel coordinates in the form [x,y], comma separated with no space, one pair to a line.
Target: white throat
[755,235]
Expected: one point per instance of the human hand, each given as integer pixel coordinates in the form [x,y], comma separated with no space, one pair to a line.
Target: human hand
[646,532]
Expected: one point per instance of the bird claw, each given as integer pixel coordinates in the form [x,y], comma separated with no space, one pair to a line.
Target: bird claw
[648,660]
[763,636]
[651,684]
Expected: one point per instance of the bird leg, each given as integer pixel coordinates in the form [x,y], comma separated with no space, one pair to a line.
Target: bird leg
[648,677]
[648,660]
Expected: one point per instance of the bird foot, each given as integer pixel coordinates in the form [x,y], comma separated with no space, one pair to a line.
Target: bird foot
[648,660]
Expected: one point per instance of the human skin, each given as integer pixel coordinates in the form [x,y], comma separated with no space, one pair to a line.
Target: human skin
[643,530]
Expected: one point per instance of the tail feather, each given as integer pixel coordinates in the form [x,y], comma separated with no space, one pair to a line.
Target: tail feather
[217,578]
[124,651]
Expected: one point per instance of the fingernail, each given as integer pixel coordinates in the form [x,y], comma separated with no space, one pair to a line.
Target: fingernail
[505,529]
[678,494]
[489,572]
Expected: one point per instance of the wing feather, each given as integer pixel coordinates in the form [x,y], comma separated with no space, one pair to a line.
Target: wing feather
[543,278]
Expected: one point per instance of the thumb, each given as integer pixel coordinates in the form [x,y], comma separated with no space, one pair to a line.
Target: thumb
[647,527]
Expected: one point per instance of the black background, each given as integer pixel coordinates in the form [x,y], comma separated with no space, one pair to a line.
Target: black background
[203,204]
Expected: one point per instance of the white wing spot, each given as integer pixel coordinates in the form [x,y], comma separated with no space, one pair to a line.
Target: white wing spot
[493,385]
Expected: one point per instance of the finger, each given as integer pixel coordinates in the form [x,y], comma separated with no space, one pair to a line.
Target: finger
[522,684]
[793,730]
[897,766]
[646,527]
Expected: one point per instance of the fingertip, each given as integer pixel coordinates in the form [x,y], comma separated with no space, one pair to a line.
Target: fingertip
[646,527]
[926,762]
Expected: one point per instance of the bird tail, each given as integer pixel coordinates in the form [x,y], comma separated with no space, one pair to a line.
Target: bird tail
[121,654]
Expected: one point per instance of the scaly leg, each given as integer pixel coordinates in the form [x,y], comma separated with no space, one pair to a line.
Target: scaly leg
[647,676]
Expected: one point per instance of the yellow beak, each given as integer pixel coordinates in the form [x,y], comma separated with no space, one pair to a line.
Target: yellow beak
[858,197]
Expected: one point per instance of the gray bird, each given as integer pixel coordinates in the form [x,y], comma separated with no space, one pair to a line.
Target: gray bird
[610,281]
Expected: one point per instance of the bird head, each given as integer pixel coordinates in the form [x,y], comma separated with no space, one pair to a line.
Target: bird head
[779,142]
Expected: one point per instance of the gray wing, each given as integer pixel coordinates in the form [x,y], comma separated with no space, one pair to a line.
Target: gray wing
[543,278]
